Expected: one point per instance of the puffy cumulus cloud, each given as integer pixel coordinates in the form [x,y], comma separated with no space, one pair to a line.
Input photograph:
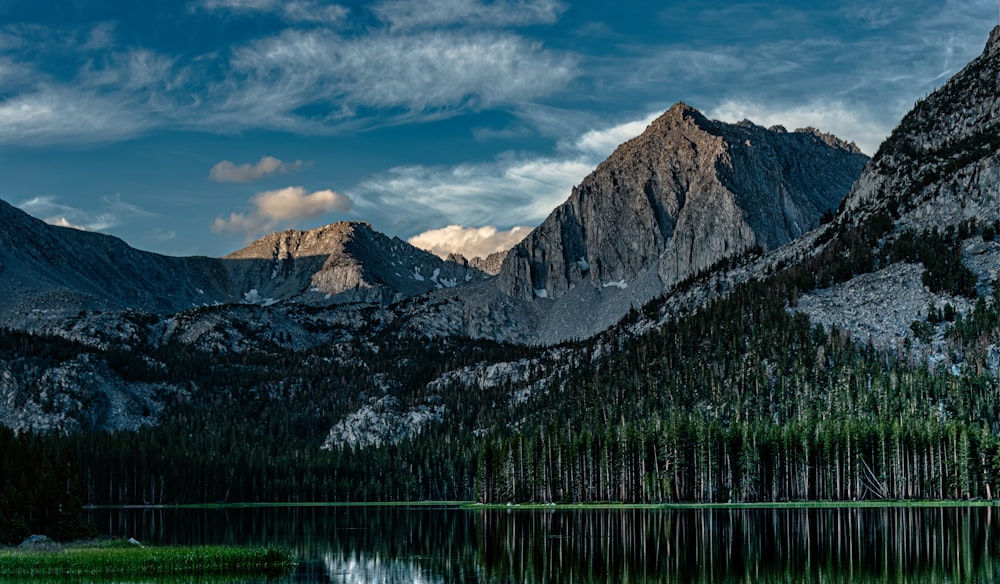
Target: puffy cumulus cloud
[227,171]
[283,206]
[406,14]
[468,241]
[112,212]
[847,122]
[422,73]
[293,11]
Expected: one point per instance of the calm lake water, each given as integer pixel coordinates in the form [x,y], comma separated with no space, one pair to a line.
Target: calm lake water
[430,545]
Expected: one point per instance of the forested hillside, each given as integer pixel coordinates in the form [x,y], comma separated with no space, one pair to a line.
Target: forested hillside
[744,401]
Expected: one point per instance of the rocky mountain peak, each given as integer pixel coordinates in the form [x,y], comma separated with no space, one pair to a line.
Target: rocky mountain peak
[675,200]
[993,44]
[342,262]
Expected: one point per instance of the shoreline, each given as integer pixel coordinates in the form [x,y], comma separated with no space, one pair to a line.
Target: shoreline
[471,505]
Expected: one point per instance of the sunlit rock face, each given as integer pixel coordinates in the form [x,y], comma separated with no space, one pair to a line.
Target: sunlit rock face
[340,263]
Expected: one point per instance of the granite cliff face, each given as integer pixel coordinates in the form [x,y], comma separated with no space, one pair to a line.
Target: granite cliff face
[686,193]
[670,203]
[940,165]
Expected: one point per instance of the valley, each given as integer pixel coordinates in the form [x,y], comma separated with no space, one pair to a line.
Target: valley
[720,313]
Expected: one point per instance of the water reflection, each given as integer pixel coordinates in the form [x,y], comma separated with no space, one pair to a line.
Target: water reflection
[397,544]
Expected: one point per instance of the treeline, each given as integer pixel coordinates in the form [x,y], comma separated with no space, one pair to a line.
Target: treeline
[746,402]
[743,401]
[39,490]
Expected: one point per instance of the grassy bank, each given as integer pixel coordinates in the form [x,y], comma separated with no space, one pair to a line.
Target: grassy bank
[107,560]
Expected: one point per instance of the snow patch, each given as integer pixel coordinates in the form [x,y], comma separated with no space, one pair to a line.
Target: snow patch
[619,284]
[416,274]
[542,293]
[584,264]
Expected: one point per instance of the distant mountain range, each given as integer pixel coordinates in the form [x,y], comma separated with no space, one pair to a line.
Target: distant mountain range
[679,215]
[672,202]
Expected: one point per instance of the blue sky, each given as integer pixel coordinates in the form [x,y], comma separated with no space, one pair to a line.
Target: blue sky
[194,126]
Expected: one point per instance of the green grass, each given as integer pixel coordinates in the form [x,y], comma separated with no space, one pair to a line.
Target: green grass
[114,560]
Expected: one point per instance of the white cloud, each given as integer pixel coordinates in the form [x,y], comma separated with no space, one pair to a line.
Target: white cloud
[65,115]
[64,222]
[283,206]
[603,142]
[407,14]
[417,73]
[227,171]
[294,11]
[113,212]
[470,242]
[509,191]
[848,122]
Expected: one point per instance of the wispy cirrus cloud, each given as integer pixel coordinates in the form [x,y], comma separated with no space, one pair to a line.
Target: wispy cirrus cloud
[63,115]
[505,192]
[113,212]
[409,14]
[227,171]
[293,11]
[82,86]
[281,207]
[426,72]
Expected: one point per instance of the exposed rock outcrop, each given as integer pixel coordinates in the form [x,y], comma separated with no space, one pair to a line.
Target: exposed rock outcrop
[675,200]
[342,262]
[941,165]
[664,206]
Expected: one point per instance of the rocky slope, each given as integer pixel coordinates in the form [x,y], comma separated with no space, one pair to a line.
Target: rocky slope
[940,165]
[938,169]
[57,271]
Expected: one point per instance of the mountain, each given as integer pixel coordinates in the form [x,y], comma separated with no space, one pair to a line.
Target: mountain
[665,206]
[940,166]
[339,263]
[924,214]
[49,271]
[678,198]
[94,287]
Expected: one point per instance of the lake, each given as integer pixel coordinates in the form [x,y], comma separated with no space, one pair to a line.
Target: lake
[426,544]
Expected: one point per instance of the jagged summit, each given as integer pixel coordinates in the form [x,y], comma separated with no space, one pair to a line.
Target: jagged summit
[675,200]
[342,262]
[320,241]
[993,44]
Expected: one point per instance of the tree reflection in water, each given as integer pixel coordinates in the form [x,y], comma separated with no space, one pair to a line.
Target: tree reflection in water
[443,545]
